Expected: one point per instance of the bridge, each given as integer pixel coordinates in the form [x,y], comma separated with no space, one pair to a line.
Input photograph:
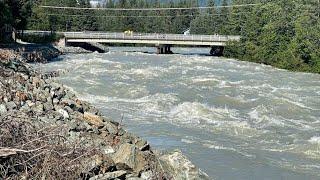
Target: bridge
[163,42]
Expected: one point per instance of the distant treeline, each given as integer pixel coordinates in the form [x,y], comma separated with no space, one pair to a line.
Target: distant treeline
[162,21]
[281,33]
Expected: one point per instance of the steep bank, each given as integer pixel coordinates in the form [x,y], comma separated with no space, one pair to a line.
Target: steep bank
[47,132]
[29,52]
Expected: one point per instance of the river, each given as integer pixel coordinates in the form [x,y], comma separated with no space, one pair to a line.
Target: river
[233,119]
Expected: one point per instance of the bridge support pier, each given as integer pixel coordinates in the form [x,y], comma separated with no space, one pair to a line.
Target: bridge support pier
[216,50]
[164,49]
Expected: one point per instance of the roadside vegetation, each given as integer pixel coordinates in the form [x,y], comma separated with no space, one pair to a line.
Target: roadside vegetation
[284,34]
[43,39]
[281,33]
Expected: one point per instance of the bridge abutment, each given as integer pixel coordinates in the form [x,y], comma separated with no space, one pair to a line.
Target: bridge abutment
[217,50]
[89,46]
[164,49]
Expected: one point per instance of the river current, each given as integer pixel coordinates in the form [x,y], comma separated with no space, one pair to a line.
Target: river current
[233,119]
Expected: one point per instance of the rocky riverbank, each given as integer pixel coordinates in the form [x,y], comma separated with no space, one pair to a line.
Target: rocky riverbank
[46,132]
[72,50]
[29,53]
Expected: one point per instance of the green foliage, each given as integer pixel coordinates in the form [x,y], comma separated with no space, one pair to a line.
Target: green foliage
[47,39]
[281,33]
[14,13]
[169,21]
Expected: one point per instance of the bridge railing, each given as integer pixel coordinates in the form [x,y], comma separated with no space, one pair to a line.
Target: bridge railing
[150,36]
[140,36]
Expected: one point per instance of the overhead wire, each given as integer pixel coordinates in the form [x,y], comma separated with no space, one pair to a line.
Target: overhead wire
[153,16]
[149,9]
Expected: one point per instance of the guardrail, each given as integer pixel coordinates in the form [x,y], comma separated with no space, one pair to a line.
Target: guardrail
[151,36]
[140,36]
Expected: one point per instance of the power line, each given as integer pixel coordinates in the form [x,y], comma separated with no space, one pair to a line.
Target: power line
[147,9]
[123,16]
[154,16]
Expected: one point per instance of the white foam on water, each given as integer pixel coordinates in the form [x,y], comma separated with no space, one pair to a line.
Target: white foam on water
[236,82]
[216,146]
[188,141]
[92,82]
[242,99]
[149,72]
[204,80]
[189,60]
[299,104]
[202,68]
[315,140]
[194,113]
[264,117]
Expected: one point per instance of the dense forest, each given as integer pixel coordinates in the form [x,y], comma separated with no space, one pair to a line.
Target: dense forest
[282,33]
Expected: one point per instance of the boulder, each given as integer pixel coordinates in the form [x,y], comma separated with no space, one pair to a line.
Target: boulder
[55,101]
[93,119]
[97,163]
[48,106]
[107,150]
[21,96]
[30,103]
[134,178]
[36,81]
[11,105]
[110,175]
[146,175]
[128,155]
[59,94]
[3,109]
[142,144]
[180,167]
[38,108]
[112,128]
[64,113]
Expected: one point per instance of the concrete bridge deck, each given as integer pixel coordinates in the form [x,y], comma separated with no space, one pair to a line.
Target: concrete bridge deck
[162,41]
[150,38]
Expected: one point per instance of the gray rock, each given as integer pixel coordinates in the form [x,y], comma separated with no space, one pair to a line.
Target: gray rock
[131,157]
[70,95]
[51,93]
[146,175]
[68,109]
[142,145]
[110,175]
[24,108]
[64,113]
[59,94]
[55,101]
[42,97]
[38,108]
[25,76]
[113,129]
[30,103]
[134,178]
[3,109]
[11,105]
[180,167]
[108,150]
[55,86]
[48,106]
[73,136]
[49,99]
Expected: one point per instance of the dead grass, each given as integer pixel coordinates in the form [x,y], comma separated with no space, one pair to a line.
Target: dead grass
[30,152]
